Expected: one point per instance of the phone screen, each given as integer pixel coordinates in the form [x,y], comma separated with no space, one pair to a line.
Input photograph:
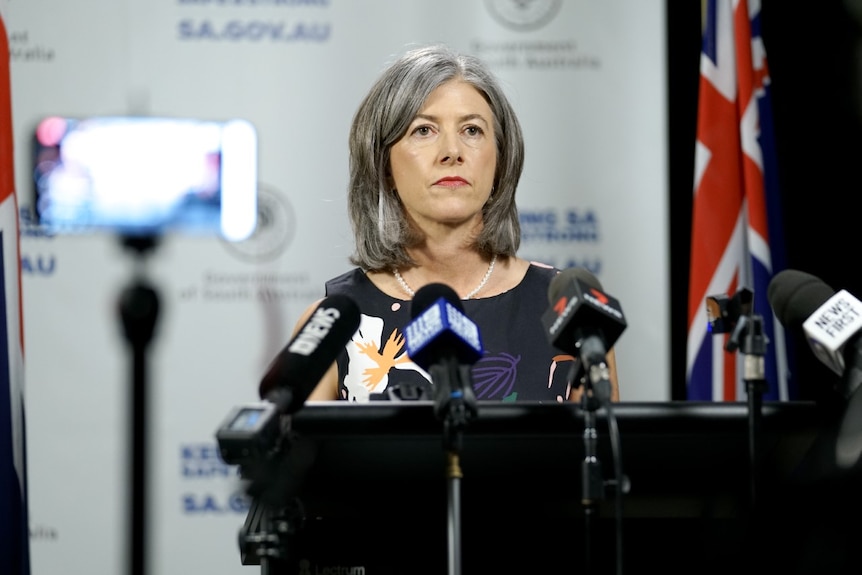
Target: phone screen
[146,175]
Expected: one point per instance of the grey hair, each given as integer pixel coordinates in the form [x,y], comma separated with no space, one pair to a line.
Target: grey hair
[381,230]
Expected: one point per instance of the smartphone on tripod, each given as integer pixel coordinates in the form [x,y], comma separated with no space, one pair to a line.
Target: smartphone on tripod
[145,176]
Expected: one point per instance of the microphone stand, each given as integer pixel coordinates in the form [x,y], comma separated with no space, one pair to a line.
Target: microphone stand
[753,347]
[455,404]
[139,310]
[270,535]
[592,482]
[274,477]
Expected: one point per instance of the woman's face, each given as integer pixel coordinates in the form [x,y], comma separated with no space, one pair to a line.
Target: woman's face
[443,167]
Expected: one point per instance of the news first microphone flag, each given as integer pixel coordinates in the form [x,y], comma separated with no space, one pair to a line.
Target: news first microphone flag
[736,236]
[14,533]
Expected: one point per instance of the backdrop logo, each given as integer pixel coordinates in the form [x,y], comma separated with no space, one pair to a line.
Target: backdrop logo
[215,504]
[29,227]
[203,461]
[215,490]
[276,224]
[35,264]
[44,533]
[523,15]
[253,31]
[561,226]
[562,237]
[22,48]
[42,265]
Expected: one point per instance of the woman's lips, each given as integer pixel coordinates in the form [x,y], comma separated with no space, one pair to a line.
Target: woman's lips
[451,182]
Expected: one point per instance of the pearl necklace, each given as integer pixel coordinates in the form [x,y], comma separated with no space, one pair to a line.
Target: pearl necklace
[482,283]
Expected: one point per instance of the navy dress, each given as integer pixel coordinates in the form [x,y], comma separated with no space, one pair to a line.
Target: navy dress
[518,363]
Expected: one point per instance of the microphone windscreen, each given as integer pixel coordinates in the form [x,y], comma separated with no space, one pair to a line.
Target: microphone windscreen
[305,360]
[430,293]
[795,295]
[439,328]
[578,308]
[562,279]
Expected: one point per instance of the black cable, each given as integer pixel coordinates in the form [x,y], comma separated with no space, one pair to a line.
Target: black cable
[614,433]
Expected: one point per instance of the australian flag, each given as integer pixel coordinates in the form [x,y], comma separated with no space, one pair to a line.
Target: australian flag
[737,238]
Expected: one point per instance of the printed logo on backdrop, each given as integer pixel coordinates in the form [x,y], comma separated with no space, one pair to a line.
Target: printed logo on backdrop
[561,237]
[276,224]
[248,21]
[34,264]
[541,53]
[210,487]
[44,533]
[222,287]
[23,48]
[274,233]
[272,236]
[523,14]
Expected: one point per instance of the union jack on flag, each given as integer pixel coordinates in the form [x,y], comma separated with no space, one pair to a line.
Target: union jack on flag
[736,237]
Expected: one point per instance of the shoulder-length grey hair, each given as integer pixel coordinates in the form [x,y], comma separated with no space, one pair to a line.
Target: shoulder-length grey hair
[381,230]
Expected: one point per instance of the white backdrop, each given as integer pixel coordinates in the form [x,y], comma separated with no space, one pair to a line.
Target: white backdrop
[587,78]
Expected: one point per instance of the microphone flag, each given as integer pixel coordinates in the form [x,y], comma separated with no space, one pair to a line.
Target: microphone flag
[443,341]
[832,326]
[737,237]
[297,369]
[577,310]
[439,329]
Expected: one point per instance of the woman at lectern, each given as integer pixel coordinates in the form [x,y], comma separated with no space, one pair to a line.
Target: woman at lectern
[436,153]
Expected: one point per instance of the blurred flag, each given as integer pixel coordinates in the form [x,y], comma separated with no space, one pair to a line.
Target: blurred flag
[14,533]
[737,237]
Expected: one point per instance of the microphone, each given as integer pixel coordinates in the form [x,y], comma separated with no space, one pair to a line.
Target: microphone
[252,434]
[830,320]
[584,321]
[443,341]
[832,324]
[297,369]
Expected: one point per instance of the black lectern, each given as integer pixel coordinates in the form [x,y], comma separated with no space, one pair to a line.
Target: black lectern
[372,487]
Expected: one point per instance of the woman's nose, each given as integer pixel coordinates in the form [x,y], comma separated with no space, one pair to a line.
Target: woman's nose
[450,149]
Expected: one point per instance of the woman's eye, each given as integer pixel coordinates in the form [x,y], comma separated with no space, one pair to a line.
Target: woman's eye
[473,130]
[422,130]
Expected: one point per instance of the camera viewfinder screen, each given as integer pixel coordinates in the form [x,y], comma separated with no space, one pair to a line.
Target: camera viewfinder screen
[141,175]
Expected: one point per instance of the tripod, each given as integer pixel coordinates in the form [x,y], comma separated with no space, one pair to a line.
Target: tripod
[139,310]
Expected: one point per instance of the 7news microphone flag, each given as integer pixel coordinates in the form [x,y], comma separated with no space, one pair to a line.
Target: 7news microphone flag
[14,532]
[737,238]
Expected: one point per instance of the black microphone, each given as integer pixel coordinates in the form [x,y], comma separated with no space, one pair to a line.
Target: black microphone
[443,341]
[297,369]
[832,321]
[252,434]
[832,324]
[584,321]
